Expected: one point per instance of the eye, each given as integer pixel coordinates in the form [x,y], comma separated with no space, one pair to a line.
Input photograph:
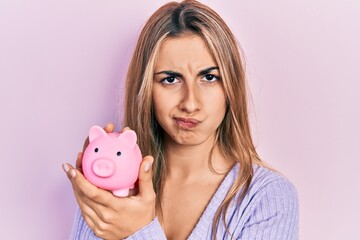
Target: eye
[118,153]
[210,78]
[96,150]
[169,80]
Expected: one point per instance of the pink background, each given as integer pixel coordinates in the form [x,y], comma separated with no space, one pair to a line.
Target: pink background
[62,65]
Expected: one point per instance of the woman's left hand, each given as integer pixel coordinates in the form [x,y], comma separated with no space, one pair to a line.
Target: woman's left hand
[112,217]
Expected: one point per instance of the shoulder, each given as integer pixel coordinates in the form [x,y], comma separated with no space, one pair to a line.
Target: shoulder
[271,182]
[271,191]
[267,181]
[269,208]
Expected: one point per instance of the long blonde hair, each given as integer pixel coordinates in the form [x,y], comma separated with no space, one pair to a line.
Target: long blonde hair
[233,135]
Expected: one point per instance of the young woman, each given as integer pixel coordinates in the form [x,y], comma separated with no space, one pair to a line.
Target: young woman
[201,178]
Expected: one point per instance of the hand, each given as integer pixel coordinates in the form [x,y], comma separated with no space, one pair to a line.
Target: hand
[112,217]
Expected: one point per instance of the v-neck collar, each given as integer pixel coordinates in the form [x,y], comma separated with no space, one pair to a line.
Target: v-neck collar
[201,229]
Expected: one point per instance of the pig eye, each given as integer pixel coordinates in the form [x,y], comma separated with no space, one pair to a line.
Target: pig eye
[118,153]
[96,149]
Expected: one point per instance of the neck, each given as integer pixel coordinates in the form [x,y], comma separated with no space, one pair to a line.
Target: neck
[192,161]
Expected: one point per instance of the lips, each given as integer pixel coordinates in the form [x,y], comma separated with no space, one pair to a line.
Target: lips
[186,122]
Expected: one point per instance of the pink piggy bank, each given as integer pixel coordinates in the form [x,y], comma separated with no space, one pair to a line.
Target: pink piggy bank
[112,160]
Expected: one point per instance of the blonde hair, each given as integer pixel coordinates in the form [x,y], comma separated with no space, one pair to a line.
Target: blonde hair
[233,135]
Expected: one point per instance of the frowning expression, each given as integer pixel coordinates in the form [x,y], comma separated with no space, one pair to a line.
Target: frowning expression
[188,93]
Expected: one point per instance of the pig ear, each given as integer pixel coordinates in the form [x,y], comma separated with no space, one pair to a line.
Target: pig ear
[96,132]
[129,136]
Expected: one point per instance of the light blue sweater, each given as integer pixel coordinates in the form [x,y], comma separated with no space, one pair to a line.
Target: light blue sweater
[269,211]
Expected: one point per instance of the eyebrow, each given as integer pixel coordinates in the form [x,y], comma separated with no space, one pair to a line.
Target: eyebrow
[179,75]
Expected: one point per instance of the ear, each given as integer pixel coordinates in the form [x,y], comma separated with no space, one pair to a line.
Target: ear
[96,132]
[129,137]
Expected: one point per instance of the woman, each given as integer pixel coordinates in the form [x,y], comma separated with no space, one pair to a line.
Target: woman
[202,178]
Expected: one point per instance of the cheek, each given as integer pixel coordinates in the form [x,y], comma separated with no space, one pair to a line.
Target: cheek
[218,102]
[157,100]
[218,111]
[163,104]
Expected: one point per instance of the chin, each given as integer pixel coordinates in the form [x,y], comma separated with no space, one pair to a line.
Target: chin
[189,139]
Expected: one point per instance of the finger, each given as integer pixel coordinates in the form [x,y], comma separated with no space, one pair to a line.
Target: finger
[68,170]
[125,129]
[86,143]
[79,162]
[146,188]
[92,213]
[109,127]
[94,220]
[87,213]
[89,192]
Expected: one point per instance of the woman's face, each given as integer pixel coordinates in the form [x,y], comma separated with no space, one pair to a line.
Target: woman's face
[188,93]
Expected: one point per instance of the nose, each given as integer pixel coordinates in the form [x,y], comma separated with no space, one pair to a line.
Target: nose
[190,101]
[103,168]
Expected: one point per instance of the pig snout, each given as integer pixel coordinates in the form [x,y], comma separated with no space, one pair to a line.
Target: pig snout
[103,168]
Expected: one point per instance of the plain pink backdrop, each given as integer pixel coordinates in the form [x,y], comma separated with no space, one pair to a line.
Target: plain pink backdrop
[62,65]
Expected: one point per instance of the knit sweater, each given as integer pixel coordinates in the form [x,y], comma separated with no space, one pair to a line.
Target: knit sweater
[268,211]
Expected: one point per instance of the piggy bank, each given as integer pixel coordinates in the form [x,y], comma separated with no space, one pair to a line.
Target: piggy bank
[112,160]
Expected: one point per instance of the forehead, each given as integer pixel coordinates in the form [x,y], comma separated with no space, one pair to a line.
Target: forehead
[184,51]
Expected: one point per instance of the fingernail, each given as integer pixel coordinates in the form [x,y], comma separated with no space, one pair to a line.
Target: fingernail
[73,173]
[65,167]
[124,129]
[147,166]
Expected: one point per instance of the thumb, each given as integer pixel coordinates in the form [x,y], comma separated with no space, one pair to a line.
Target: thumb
[146,188]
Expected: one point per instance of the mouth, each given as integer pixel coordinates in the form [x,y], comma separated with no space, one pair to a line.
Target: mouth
[186,123]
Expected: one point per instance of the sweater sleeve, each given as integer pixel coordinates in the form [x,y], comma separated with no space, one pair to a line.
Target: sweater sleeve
[273,213]
[152,231]
[81,231]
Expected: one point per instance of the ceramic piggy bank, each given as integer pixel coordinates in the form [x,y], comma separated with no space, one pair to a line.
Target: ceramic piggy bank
[111,160]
